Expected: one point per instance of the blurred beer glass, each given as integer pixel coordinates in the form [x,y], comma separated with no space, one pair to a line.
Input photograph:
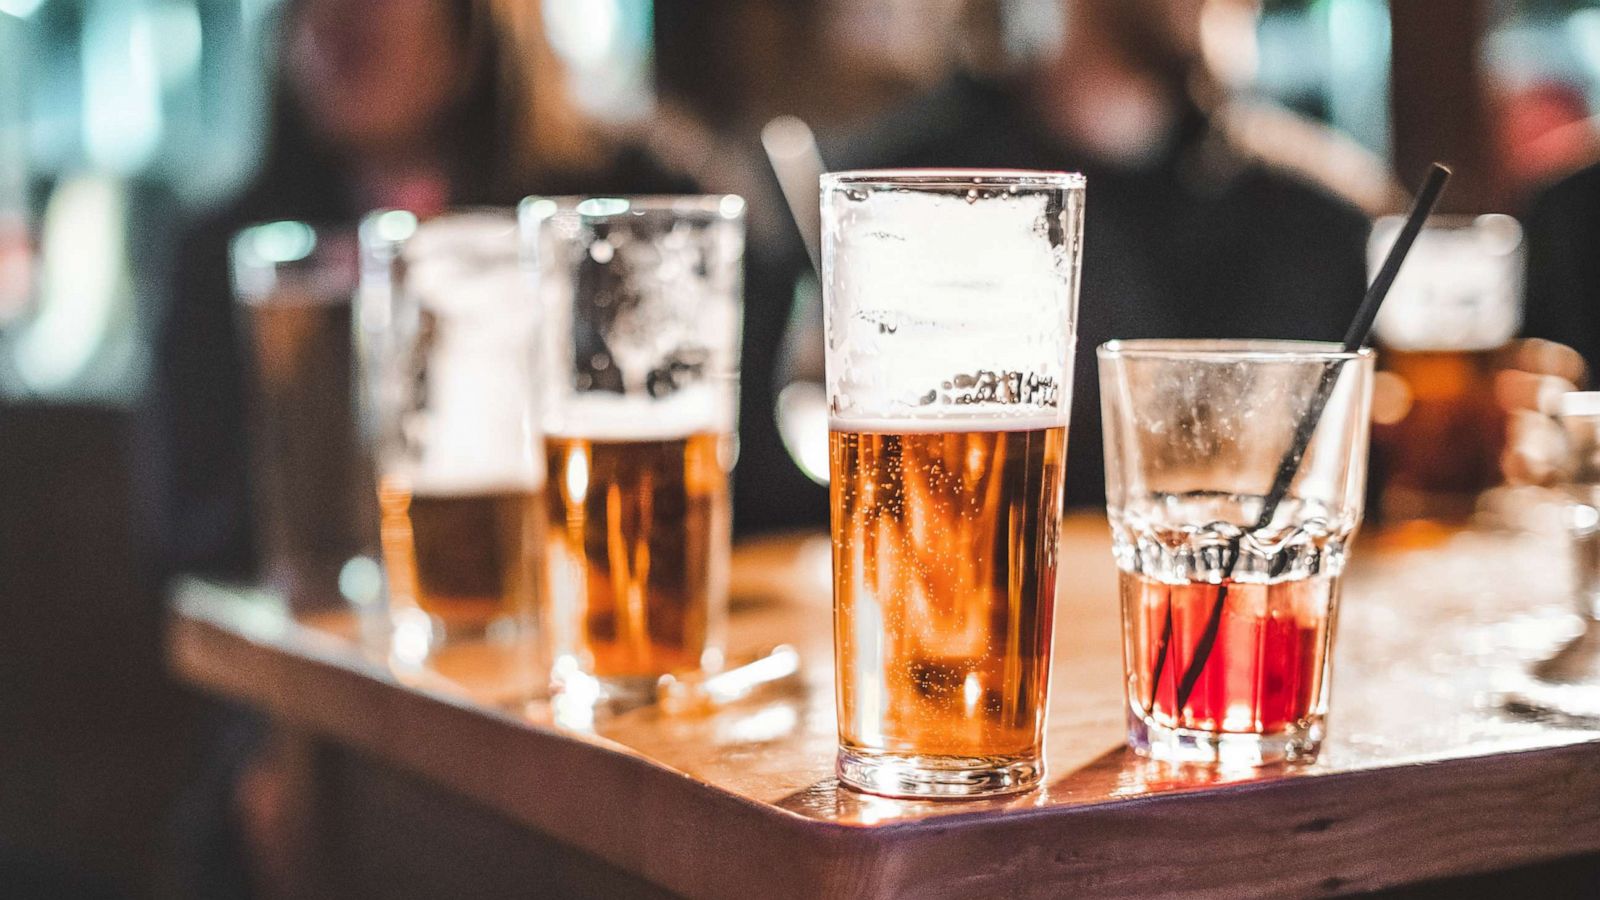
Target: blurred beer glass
[449,330]
[643,303]
[1456,304]
[312,480]
[951,302]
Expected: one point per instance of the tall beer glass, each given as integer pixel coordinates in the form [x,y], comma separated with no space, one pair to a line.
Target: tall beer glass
[315,512]
[449,340]
[1442,335]
[951,304]
[642,299]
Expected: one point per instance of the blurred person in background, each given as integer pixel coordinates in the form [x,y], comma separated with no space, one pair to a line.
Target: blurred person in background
[413,104]
[1545,133]
[1207,217]
[1563,286]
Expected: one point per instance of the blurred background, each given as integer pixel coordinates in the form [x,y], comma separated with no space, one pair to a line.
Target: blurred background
[134,131]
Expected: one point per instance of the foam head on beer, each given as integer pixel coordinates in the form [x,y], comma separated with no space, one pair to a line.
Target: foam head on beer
[950,302]
[450,333]
[471,415]
[1461,287]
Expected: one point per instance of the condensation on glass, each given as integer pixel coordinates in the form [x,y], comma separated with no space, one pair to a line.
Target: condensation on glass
[643,298]
[448,339]
[950,318]
[1228,619]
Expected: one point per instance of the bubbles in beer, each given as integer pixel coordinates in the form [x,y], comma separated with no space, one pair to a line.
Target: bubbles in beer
[944,586]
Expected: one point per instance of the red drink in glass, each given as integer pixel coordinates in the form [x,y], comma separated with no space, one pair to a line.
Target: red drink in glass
[1265,673]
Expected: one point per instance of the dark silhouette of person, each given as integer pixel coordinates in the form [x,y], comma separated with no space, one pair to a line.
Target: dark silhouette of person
[1206,217]
[1563,282]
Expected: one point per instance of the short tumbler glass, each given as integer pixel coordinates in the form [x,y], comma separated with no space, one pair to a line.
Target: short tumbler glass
[951,302]
[1227,607]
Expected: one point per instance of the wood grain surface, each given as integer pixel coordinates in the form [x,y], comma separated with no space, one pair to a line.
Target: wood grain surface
[1424,774]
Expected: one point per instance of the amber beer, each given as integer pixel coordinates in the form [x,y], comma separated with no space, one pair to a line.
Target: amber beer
[944,567]
[471,559]
[1439,431]
[638,551]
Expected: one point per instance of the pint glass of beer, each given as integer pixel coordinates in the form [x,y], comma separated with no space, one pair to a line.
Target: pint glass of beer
[643,300]
[448,338]
[1441,337]
[951,302]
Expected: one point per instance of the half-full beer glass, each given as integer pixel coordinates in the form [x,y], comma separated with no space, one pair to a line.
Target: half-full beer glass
[449,343]
[1442,336]
[951,302]
[643,302]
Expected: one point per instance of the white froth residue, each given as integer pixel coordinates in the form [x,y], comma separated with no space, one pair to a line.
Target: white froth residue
[927,292]
[479,429]
[1034,420]
[602,416]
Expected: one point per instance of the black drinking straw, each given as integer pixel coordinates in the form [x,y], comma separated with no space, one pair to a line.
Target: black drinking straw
[1354,339]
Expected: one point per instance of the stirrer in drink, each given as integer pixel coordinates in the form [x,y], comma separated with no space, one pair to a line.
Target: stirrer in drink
[1354,339]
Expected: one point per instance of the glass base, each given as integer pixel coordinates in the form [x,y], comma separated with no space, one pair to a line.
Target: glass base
[1567,684]
[628,691]
[923,777]
[1187,745]
[578,699]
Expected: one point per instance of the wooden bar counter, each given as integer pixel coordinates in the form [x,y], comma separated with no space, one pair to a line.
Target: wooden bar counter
[427,788]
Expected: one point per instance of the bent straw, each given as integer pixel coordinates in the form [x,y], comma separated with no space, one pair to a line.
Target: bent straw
[1354,339]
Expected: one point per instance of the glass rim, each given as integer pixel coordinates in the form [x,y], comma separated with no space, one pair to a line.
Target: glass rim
[384,230]
[1230,350]
[314,234]
[537,207]
[911,179]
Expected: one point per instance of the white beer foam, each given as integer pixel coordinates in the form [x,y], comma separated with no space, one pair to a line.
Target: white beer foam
[602,416]
[1033,420]
[480,429]
[927,290]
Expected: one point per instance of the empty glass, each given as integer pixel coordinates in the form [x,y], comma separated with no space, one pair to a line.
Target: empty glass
[1569,682]
[312,480]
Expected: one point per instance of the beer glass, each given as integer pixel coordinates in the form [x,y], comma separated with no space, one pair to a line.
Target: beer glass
[448,326]
[643,301]
[312,480]
[1228,604]
[1440,333]
[950,304]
